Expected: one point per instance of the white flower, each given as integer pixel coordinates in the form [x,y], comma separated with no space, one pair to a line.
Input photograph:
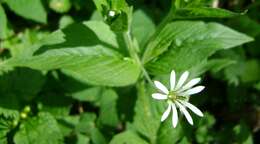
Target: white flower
[178,97]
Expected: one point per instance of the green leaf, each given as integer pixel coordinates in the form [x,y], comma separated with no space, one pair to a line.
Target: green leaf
[251,71]
[82,139]
[108,108]
[30,9]
[95,65]
[146,118]
[246,71]
[119,4]
[5,31]
[34,131]
[91,33]
[97,137]
[142,27]
[67,124]
[65,21]
[10,105]
[100,34]
[83,127]
[58,108]
[92,94]
[100,4]
[184,140]
[233,72]
[86,123]
[25,44]
[14,82]
[169,135]
[243,134]
[202,12]
[127,137]
[16,89]
[87,126]
[182,44]
[213,65]
[92,58]
[6,125]
[106,99]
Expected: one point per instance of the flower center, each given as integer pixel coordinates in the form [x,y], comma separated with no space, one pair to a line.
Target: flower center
[173,96]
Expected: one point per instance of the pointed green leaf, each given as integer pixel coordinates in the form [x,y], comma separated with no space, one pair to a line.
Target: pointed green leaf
[202,12]
[95,65]
[91,58]
[182,44]
[30,9]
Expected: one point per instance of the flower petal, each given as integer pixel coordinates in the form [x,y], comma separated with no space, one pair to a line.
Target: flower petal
[190,84]
[174,116]
[166,113]
[159,96]
[182,80]
[185,112]
[161,87]
[172,79]
[192,91]
[192,108]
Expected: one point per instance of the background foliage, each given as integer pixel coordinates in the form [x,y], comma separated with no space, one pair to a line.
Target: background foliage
[71,73]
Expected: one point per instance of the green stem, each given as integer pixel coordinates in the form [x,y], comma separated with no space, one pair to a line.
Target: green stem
[134,55]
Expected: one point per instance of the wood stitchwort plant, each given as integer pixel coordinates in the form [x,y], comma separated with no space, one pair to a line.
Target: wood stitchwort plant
[104,79]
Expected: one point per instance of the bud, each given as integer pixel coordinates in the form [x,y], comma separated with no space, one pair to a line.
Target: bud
[60,6]
[15,123]
[27,109]
[111,13]
[23,115]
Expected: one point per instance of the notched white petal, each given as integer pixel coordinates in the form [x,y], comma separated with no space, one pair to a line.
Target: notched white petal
[161,87]
[159,96]
[190,84]
[192,108]
[166,113]
[182,80]
[185,112]
[172,79]
[174,116]
[192,91]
